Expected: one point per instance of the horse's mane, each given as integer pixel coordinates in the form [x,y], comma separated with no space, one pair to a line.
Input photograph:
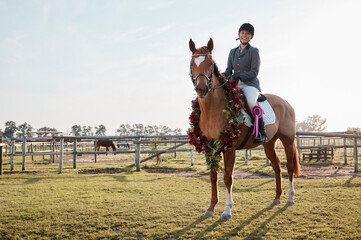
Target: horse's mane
[204,50]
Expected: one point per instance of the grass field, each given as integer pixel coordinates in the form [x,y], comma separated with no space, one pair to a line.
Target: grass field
[119,203]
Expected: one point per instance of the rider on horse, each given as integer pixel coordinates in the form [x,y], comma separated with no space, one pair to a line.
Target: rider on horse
[244,62]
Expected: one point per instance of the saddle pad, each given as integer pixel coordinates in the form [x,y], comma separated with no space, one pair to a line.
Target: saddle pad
[269,116]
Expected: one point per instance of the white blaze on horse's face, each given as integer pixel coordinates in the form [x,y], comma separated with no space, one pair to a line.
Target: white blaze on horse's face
[198,60]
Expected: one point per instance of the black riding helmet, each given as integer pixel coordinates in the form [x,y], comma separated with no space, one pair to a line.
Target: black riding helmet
[248,27]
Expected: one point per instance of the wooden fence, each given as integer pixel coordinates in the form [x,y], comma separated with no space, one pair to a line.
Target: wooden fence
[74,140]
[138,141]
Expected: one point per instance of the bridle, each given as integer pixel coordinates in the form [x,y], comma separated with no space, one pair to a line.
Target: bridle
[209,79]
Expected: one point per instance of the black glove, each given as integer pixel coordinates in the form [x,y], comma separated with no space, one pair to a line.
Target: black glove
[236,76]
[226,76]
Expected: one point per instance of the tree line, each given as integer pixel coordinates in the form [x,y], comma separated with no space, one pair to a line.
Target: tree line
[13,130]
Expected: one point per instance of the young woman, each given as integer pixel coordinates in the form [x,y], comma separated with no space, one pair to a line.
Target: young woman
[244,63]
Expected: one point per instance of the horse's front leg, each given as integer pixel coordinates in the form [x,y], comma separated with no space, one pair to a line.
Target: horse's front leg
[229,160]
[214,199]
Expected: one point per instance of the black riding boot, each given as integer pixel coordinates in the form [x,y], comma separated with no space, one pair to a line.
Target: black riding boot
[262,135]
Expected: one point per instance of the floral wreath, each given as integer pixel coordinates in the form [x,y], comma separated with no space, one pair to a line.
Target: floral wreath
[213,148]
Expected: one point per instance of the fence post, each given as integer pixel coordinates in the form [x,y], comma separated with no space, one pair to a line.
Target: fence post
[345,151]
[31,150]
[175,152]
[192,158]
[95,148]
[24,153]
[61,155]
[355,153]
[74,154]
[137,155]
[12,145]
[245,156]
[53,155]
[267,161]
[1,157]
[298,148]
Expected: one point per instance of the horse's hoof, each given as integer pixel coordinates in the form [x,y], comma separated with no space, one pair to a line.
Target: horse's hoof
[226,217]
[290,203]
[276,202]
[208,214]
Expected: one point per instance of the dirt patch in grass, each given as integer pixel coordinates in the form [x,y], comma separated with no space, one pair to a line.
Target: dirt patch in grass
[329,171]
[102,170]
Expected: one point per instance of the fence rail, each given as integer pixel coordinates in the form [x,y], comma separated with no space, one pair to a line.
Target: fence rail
[142,140]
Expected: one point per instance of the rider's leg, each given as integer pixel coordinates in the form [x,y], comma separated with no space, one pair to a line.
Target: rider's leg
[251,94]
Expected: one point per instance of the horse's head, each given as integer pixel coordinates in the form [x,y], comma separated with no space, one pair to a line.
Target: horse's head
[202,68]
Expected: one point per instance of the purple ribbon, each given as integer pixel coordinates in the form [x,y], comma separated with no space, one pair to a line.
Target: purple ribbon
[257,114]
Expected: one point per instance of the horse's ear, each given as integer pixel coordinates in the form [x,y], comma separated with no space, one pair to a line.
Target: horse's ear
[192,46]
[210,45]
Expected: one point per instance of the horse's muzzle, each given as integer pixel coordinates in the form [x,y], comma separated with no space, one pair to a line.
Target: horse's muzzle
[202,92]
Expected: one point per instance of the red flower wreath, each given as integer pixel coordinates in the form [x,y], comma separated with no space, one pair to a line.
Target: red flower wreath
[213,148]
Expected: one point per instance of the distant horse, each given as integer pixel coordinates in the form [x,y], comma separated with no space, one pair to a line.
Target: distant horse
[106,144]
[123,144]
[211,98]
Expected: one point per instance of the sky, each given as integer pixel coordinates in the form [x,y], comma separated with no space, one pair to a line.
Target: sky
[83,62]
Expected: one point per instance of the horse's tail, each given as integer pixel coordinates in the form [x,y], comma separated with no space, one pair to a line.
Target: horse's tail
[296,161]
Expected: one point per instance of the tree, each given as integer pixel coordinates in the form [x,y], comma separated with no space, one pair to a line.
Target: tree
[122,130]
[87,131]
[149,131]
[139,129]
[313,123]
[353,129]
[45,129]
[177,131]
[164,130]
[100,130]
[24,130]
[10,129]
[76,130]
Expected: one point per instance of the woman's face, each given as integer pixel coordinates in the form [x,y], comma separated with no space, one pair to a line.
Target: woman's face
[245,36]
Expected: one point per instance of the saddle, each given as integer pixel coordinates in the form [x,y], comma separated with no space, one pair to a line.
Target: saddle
[269,116]
[244,103]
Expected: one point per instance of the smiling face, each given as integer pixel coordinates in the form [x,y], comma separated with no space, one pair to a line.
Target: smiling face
[245,36]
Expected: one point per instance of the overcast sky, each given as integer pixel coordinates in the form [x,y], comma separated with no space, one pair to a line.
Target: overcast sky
[116,62]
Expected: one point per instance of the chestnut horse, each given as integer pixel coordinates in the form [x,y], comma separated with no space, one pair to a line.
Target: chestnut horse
[107,144]
[207,82]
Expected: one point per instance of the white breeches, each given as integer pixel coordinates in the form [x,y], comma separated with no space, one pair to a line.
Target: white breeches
[251,94]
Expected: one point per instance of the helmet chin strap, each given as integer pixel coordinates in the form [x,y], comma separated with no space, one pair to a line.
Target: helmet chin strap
[242,42]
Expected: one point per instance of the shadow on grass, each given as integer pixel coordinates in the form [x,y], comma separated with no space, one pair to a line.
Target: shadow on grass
[263,229]
[253,187]
[32,180]
[349,183]
[234,231]
[209,229]
[177,234]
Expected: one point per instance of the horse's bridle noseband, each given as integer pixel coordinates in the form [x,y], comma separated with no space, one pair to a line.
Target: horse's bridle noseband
[209,79]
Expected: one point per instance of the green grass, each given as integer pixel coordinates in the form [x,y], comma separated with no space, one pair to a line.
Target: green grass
[140,205]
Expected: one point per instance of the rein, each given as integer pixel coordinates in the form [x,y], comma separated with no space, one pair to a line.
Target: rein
[209,79]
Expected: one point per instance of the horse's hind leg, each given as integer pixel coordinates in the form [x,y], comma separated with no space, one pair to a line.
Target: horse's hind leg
[269,149]
[291,155]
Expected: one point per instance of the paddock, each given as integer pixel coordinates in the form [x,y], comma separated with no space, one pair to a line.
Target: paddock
[107,200]
[103,197]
